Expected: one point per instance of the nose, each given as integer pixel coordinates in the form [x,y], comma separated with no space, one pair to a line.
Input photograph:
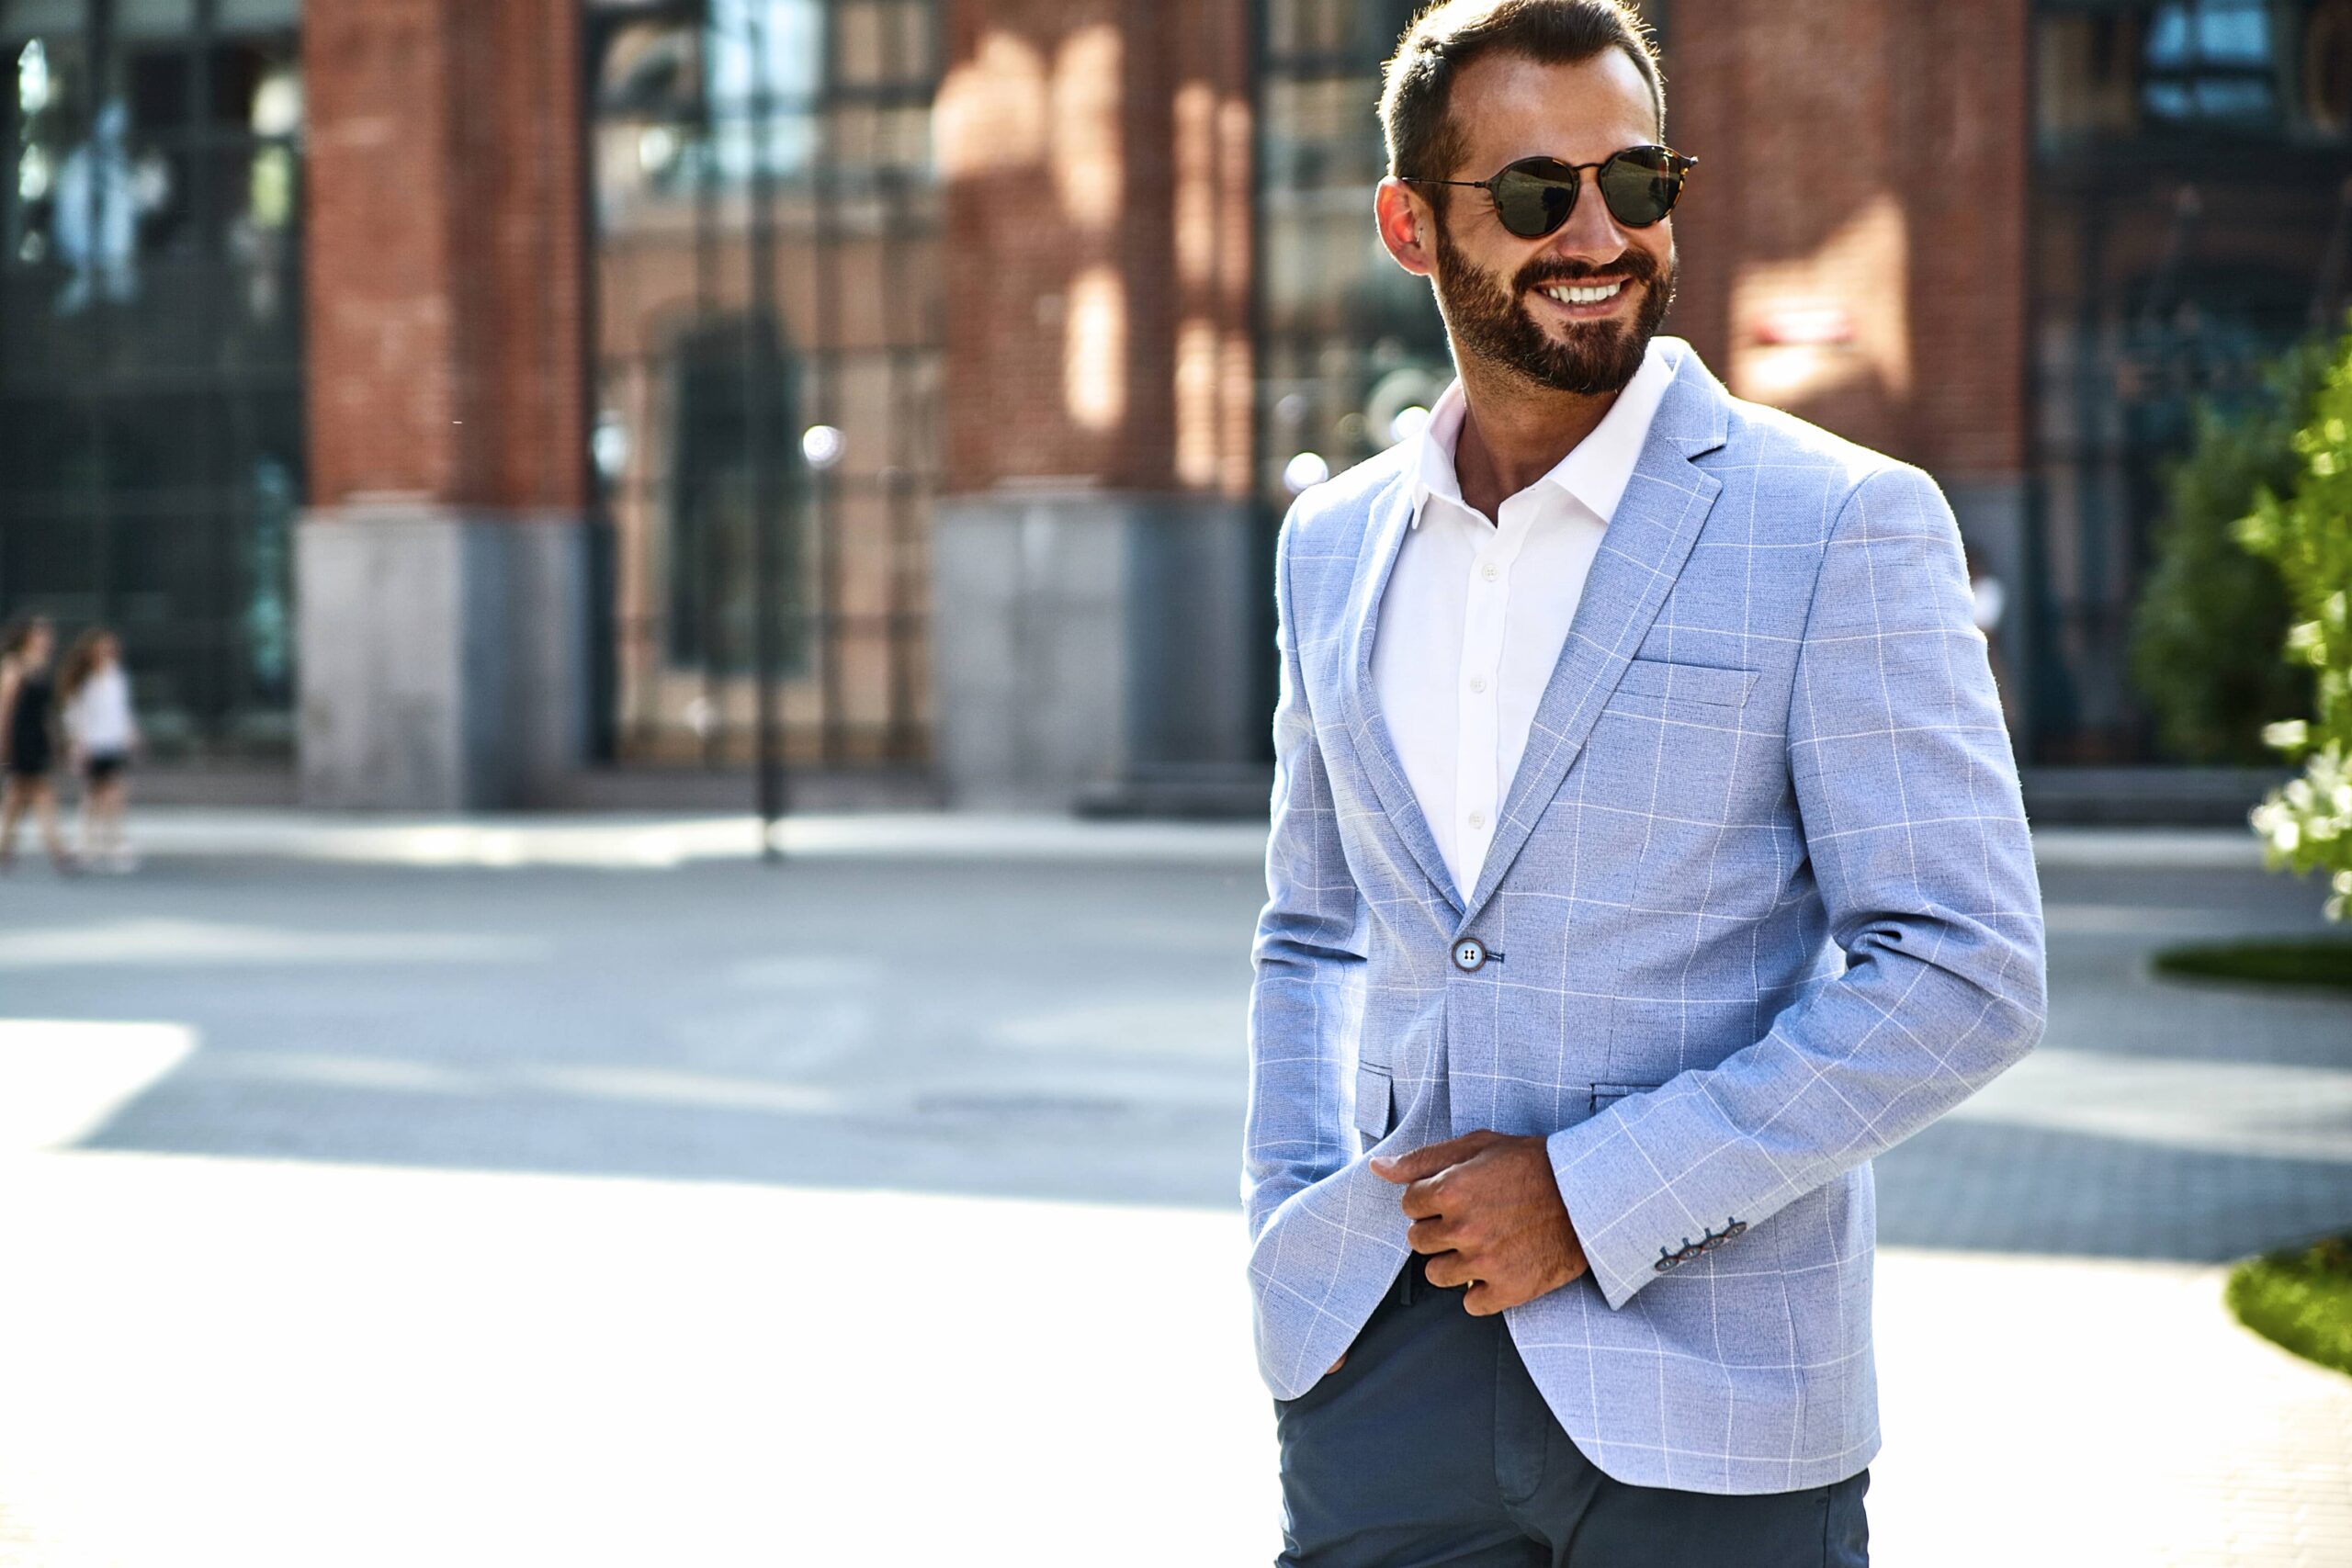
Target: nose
[1591,234]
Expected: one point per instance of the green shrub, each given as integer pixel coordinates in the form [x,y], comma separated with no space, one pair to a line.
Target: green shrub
[2206,631]
[2301,1299]
[2307,535]
[2273,961]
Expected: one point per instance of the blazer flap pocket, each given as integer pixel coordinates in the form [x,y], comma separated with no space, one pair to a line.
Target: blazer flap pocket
[1608,1094]
[1373,1100]
[1708,683]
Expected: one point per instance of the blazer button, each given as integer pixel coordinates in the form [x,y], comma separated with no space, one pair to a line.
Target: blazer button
[1469,955]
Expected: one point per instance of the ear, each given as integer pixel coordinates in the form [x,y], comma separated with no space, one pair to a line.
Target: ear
[1408,226]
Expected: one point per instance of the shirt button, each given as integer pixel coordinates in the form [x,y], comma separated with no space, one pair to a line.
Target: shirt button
[1478,819]
[1478,683]
[1490,571]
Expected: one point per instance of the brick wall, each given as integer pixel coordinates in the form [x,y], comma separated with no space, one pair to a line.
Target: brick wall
[1096,155]
[1861,181]
[444,263]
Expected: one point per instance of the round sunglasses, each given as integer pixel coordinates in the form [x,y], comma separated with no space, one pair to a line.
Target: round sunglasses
[1534,196]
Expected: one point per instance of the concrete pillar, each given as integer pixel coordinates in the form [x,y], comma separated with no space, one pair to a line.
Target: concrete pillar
[1095,565]
[442,564]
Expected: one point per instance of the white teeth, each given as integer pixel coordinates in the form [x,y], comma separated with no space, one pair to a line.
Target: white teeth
[1571,294]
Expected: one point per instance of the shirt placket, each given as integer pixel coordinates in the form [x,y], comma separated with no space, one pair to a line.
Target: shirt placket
[1477,787]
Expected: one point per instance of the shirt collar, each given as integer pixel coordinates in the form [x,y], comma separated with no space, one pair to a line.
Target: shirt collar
[1596,470]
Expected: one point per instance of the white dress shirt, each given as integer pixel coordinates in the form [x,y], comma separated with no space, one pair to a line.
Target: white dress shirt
[1477,610]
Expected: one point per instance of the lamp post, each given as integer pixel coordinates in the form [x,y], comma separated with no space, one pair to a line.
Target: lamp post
[763,404]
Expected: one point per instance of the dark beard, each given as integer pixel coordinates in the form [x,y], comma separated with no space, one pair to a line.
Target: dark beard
[1493,323]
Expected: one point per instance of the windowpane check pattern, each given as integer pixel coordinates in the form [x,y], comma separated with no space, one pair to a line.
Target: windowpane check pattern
[1759,905]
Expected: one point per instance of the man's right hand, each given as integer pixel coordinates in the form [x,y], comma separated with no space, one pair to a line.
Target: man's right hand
[1336,1365]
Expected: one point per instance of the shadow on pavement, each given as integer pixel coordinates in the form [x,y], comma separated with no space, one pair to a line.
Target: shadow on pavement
[1052,1031]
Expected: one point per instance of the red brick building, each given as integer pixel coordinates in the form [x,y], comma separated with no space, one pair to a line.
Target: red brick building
[424,387]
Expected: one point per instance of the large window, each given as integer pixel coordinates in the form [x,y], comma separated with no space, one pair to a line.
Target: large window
[791,138]
[1351,349]
[2192,213]
[151,431]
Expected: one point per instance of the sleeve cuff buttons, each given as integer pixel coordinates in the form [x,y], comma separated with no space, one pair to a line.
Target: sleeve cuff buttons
[1667,1257]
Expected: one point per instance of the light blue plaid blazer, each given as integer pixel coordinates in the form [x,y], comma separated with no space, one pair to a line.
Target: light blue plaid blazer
[1761,904]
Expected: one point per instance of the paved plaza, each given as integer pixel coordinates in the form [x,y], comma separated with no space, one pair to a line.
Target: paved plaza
[586,1193]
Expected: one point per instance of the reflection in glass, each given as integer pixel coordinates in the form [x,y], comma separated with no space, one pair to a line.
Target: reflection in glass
[96,216]
[2210,60]
[829,101]
[1339,319]
[711,489]
[151,422]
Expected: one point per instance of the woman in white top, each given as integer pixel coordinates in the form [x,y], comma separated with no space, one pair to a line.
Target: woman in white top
[104,734]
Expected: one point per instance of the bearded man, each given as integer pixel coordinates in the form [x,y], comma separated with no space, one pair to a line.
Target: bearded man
[1647,856]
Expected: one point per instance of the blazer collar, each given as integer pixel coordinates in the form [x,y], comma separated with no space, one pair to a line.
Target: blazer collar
[1391,516]
[1594,472]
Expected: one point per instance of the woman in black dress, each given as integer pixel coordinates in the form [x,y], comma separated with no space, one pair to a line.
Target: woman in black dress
[28,739]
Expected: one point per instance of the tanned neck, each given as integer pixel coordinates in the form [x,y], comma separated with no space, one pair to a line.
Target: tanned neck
[1513,434]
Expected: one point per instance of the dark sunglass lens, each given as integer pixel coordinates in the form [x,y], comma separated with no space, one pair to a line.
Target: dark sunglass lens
[1533,201]
[1641,185]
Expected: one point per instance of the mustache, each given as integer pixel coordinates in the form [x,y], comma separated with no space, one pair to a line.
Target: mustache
[1636,266]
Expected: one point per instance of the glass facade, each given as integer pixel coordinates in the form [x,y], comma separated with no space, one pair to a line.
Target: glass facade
[2189,214]
[1351,348]
[767,281]
[2191,197]
[151,395]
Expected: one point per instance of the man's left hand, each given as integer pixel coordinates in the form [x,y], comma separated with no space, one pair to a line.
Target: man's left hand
[1487,1210]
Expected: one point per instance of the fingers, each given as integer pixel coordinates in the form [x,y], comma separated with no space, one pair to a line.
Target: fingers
[1447,1271]
[1487,1297]
[1336,1365]
[1415,1165]
[1425,1199]
[1409,1166]
[1434,1235]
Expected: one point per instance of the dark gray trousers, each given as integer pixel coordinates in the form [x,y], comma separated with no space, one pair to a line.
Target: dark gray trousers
[1432,1446]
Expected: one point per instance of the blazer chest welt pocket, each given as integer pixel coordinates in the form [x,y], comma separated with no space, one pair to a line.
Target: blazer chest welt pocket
[1650,683]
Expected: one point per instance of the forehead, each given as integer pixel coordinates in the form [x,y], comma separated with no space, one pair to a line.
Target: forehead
[1506,107]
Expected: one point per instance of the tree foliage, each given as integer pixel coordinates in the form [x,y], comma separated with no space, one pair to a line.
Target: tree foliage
[2305,531]
[2206,630]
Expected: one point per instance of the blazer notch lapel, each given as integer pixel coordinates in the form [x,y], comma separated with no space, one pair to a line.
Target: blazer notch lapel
[1641,556]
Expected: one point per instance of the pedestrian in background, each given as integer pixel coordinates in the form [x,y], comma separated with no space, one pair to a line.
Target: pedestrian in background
[104,734]
[28,741]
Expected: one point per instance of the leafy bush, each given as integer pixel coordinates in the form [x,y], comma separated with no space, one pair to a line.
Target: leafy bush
[2302,1299]
[2307,826]
[2210,621]
[2276,961]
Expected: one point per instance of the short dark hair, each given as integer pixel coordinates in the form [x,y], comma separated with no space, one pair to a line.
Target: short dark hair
[1414,113]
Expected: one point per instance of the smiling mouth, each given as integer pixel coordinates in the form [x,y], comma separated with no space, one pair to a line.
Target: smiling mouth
[1583,293]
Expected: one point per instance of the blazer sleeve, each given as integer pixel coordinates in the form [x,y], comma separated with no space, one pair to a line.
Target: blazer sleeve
[1907,795]
[1307,960]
